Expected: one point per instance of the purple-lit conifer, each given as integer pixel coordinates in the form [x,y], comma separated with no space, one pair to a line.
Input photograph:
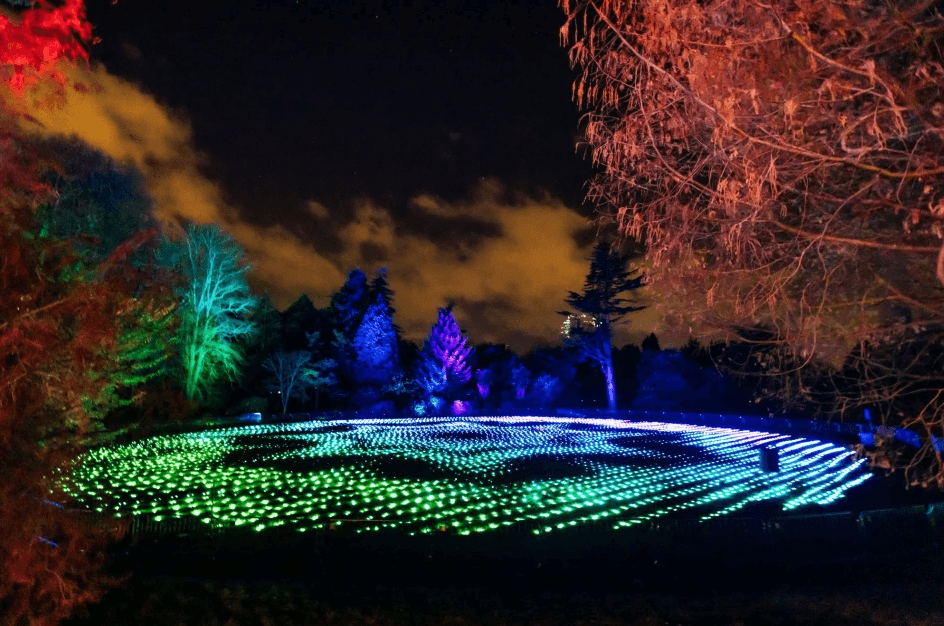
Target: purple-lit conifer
[445,363]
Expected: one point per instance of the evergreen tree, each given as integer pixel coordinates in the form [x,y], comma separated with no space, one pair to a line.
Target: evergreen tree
[601,299]
[651,343]
[298,320]
[349,303]
[346,311]
[380,288]
[445,363]
[376,345]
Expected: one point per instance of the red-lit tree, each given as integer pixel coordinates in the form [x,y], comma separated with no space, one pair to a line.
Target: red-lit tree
[37,39]
[784,162]
[69,352]
[67,338]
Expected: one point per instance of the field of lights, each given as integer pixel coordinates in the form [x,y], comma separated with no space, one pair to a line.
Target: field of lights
[471,475]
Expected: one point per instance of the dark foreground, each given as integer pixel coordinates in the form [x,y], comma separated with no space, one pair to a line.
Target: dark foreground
[167,601]
[287,580]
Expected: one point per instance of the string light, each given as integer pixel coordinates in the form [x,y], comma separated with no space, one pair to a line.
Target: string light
[471,474]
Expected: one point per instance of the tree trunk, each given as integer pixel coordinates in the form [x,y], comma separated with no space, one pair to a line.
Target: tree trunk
[607,365]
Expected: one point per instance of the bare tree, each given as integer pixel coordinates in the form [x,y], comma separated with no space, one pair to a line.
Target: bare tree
[784,162]
[294,374]
[215,312]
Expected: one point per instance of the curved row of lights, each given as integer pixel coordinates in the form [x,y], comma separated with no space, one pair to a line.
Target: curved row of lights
[471,474]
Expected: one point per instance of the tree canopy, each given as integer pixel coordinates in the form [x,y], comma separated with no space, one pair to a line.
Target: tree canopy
[215,311]
[784,164]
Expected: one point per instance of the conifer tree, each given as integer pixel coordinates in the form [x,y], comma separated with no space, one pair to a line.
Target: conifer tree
[346,310]
[349,303]
[375,344]
[445,363]
[379,287]
[601,299]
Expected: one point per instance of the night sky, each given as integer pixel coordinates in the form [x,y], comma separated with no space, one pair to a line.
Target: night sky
[437,139]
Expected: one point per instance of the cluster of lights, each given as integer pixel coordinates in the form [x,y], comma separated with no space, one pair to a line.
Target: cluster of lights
[471,474]
[583,321]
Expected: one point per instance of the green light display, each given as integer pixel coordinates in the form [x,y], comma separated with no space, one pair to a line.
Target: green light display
[470,474]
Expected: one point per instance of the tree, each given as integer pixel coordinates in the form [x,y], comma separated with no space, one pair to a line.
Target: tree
[62,367]
[519,377]
[350,302]
[484,379]
[346,310]
[601,299]
[38,39]
[380,288]
[294,374]
[445,363]
[650,343]
[96,203]
[297,320]
[376,346]
[785,163]
[101,208]
[545,389]
[214,311]
[670,381]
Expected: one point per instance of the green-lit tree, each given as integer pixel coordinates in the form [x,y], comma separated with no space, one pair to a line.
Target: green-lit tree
[215,310]
[602,300]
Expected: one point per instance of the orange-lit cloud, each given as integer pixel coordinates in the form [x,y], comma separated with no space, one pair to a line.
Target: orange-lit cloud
[129,125]
[507,284]
[516,280]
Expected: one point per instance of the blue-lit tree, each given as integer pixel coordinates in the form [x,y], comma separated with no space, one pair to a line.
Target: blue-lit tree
[518,377]
[484,379]
[349,303]
[444,365]
[375,344]
[602,300]
[380,288]
[345,313]
[545,389]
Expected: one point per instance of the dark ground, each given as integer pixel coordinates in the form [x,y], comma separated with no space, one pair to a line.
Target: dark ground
[581,579]
[889,594]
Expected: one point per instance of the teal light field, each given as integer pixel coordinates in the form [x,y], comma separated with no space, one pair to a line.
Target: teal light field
[470,474]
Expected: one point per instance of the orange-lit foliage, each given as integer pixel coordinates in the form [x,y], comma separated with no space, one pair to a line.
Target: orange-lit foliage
[32,42]
[784,162]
